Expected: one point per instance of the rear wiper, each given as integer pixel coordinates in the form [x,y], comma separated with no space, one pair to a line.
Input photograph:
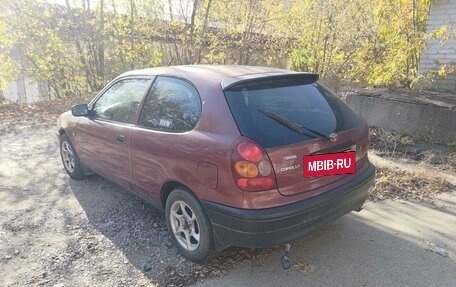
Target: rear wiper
[297,128]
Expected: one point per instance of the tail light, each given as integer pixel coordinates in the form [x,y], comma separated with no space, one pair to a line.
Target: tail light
[251,166]
[361,151]
[363,146]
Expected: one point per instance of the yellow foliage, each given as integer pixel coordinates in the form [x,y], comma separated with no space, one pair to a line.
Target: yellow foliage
[376,42]
[370,41]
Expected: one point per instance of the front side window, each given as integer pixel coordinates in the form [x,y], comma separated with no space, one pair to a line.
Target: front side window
[171,105]
[120,102]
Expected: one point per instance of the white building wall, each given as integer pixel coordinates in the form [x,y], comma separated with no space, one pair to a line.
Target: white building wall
[11,93]
[23,90]
[33,90]
[443,13]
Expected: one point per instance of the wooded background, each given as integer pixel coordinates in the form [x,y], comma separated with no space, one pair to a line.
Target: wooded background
[77,46]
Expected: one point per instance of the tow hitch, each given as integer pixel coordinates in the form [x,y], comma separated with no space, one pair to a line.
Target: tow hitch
[286,260]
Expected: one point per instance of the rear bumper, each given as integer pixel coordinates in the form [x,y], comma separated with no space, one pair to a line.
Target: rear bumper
[278,225]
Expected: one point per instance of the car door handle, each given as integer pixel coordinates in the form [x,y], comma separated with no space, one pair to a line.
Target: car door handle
[121,139]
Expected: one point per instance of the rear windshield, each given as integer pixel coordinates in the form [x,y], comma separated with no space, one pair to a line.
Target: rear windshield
[304,106]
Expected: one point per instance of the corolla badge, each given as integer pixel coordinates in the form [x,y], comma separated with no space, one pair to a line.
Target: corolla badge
[287,168]
[333,137]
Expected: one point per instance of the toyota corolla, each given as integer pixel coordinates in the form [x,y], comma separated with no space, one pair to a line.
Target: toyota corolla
[233,155]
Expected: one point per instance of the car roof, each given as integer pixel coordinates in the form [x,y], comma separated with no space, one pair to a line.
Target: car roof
[209,74]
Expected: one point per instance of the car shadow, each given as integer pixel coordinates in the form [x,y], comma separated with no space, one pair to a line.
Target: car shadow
[139,231]
[352,250]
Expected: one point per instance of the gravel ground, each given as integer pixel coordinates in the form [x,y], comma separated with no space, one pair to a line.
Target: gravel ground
[55,230]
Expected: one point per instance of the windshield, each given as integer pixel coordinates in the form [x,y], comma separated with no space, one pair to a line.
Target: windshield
[309,107]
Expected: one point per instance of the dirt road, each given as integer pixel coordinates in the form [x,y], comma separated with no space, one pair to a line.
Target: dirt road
[59,232]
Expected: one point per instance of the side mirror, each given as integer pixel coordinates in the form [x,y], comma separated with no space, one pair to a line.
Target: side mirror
[80,110]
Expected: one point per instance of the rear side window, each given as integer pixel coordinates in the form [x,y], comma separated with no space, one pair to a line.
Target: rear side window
[171,105]
[303,106]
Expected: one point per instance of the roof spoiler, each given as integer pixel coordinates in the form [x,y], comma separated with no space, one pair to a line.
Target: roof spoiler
[264,81]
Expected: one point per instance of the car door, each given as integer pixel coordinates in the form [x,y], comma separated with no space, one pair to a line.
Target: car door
[104,138]
[160,141]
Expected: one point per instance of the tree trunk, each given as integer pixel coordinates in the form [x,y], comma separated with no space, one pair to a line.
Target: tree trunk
[203,31]
[132,31]
[88,74]
[101,45]
[190,45]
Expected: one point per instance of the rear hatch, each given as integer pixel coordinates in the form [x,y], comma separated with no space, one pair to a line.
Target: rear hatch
[293,117]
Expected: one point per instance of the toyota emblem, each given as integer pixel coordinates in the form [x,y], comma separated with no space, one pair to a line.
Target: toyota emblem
[333,137]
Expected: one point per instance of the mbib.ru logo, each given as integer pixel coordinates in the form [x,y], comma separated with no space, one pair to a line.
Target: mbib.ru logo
[329,164]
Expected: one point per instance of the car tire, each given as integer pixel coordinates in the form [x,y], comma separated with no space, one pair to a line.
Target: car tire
[189,227]
[70,159]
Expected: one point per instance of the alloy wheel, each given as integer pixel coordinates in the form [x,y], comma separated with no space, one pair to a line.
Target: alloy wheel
[68,156]
[184,225]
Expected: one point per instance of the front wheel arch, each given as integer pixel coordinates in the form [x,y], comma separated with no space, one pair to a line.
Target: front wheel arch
[77,172]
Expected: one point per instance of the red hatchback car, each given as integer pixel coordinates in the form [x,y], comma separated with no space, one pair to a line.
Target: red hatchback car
[233,155]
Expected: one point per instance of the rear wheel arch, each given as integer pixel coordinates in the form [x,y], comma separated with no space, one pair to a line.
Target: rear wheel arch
[168,187]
